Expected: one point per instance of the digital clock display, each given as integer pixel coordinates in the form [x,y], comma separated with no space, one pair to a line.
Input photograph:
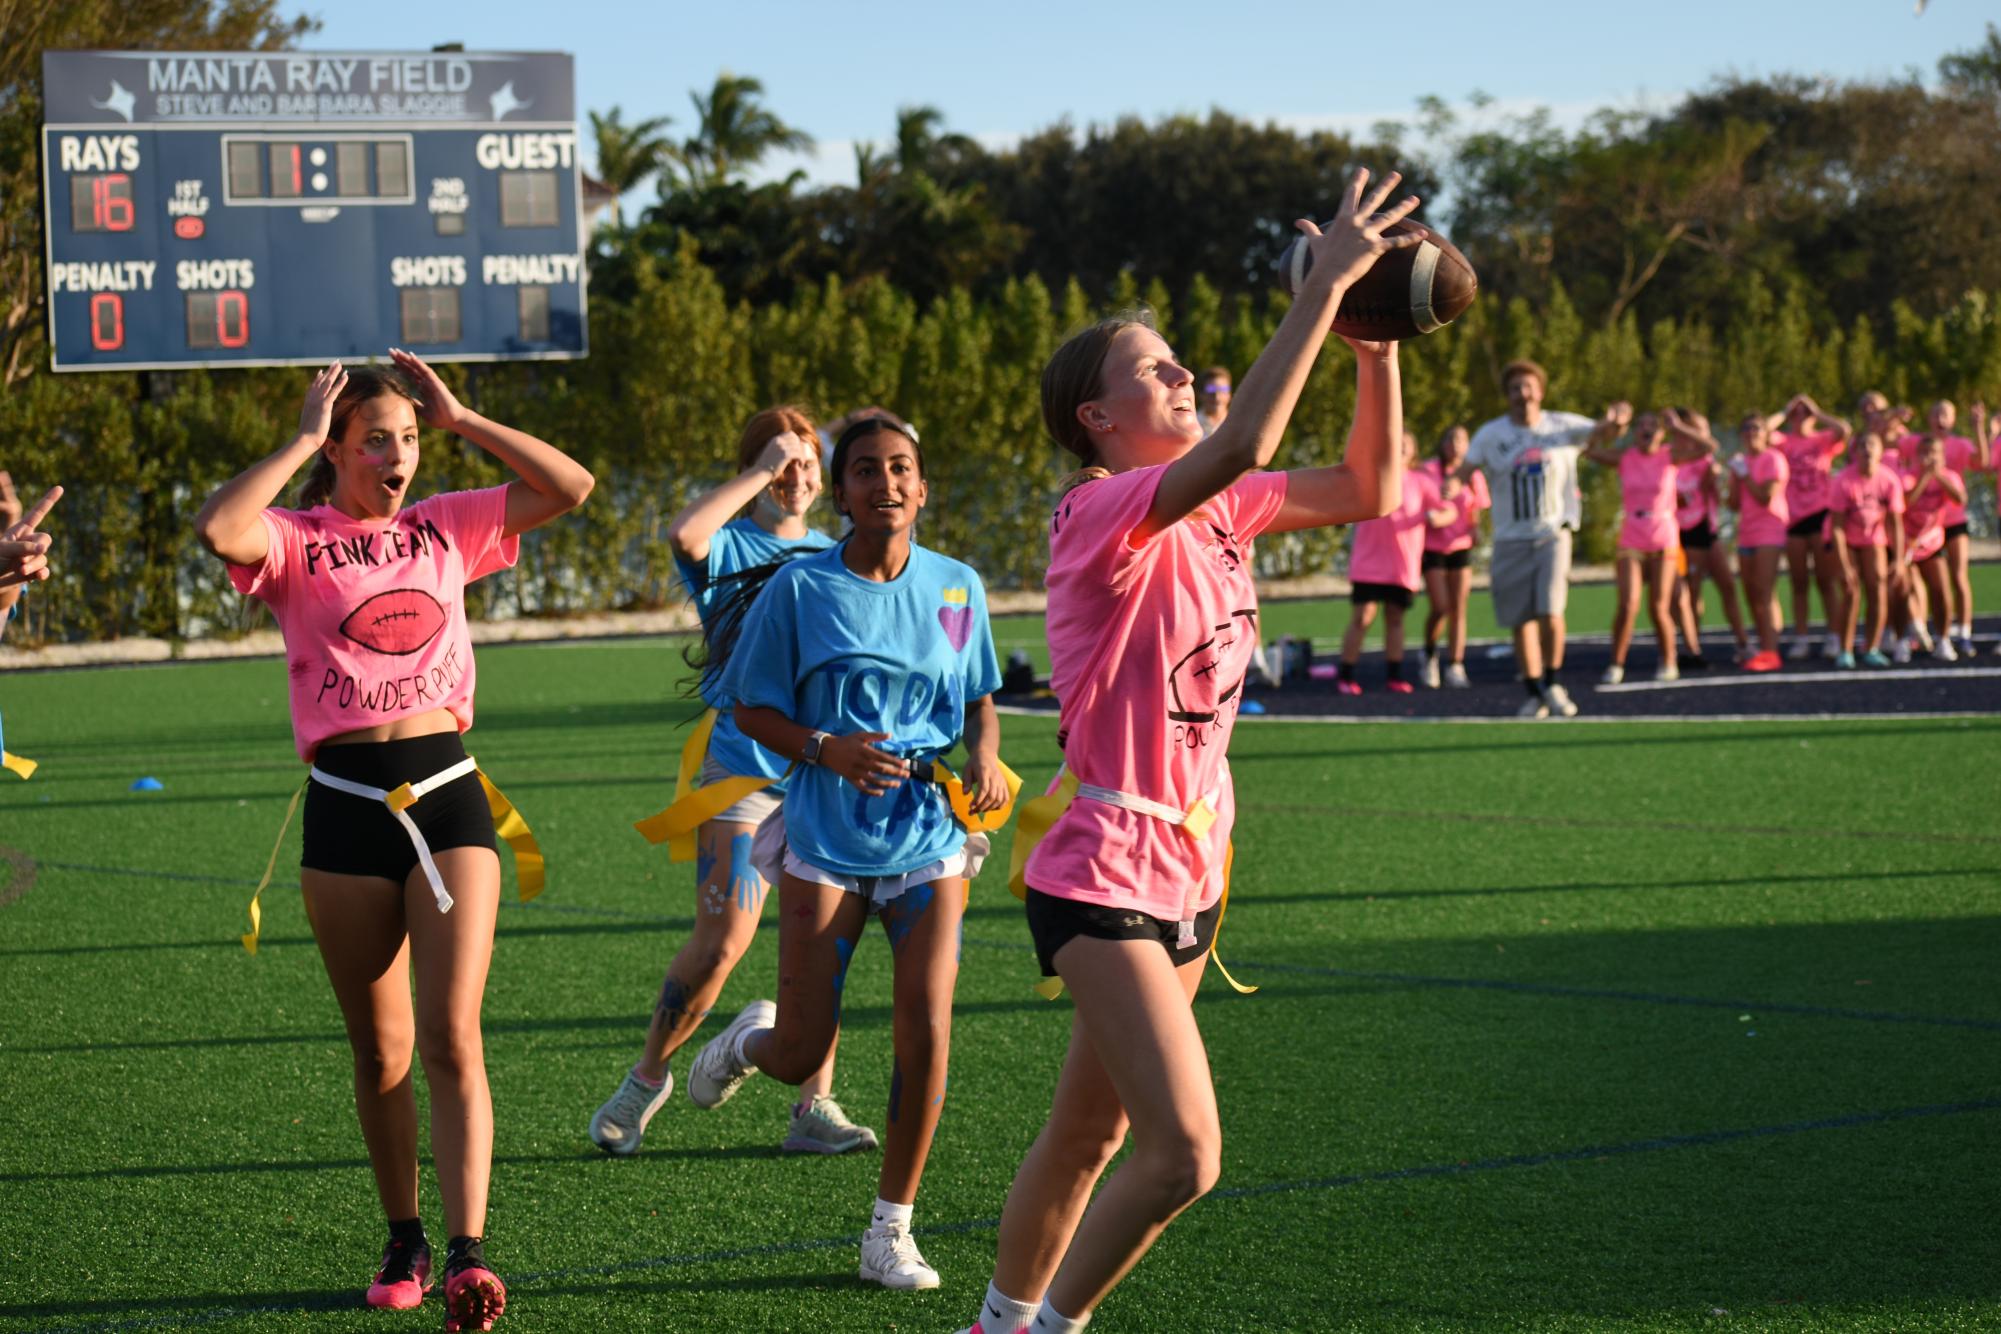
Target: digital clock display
[216,209]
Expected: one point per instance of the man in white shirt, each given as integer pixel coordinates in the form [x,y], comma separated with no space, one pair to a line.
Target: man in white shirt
[1530,458]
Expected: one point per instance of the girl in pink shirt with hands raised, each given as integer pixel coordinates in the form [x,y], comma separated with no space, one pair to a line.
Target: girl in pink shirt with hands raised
[1865,524]
[1153,617]
[400,869]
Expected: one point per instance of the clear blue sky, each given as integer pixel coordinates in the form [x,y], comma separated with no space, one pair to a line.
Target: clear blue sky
[840,70]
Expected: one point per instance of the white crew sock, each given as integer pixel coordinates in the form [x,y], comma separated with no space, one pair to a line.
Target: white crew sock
[1048,1321]
[1002,1314]
[887,1213]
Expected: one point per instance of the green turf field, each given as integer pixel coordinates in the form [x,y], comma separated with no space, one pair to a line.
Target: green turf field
[1562,1028]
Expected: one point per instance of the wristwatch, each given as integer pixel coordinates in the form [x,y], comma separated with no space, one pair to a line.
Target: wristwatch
[810,752]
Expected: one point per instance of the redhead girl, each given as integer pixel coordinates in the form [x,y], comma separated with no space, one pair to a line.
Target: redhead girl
[1865,521]
[1152,623]
[1447,563]
[370,595]
[757,517]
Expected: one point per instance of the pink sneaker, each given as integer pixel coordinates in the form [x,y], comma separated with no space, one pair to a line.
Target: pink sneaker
[474,1299]
[403,1279]
[1400,687]
[1348,687]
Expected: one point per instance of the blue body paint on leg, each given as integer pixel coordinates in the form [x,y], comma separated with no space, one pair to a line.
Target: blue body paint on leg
[906,911]
[745,883]
[705,862]
[846,950]
[895,1091]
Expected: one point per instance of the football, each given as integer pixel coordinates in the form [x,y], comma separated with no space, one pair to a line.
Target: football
[1409,292]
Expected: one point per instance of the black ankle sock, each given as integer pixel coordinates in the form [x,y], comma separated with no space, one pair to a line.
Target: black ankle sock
[1393,669]
[1533,684]
[409,1231]
[465,1253]
[1346,671]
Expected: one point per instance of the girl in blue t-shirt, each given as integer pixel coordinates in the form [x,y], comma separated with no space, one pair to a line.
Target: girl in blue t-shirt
[866,662]
[778,480]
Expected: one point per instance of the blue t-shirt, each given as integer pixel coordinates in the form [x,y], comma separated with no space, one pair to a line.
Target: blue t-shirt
[841,654]
[739,544]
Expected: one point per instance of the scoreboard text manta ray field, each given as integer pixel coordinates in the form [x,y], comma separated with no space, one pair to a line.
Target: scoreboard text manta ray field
[260,209]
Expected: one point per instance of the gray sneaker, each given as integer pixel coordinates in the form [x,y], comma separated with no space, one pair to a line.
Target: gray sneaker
[621,1122]
[825,1128]
[1560,702]
[1455,676]
[1533,707]
[717,1072]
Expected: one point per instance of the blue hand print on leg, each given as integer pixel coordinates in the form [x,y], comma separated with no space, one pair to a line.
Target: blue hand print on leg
[746,885]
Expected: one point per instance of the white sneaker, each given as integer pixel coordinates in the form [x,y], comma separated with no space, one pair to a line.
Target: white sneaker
[1945,652]
[1667,671]
[718,1072]
[1900,652]
[1613,675]
[1801,650]
[1831,646]
[825,1128]
[1533,707]
[1455,676]
[1560,702]
[621,1122]
[889,1257]
[1430,670]
[1922,637]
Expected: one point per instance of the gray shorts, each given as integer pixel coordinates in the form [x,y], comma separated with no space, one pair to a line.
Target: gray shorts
[752,809]
[1530,578]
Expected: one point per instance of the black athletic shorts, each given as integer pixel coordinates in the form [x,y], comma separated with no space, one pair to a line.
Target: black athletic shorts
[1699,538]
[350,835]
[1396,595]
[1054,923]
[1953,530]
[1446,560]
[1808,527]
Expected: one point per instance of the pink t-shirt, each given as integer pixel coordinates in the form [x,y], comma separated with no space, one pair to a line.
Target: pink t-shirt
[1811,458]
[1693,502]
[1925,511]
[1760,524]
[1646,489]
[1960,456]
[1863,505]
[1472,498]
[1390,550]
[1148,649]
[373,612]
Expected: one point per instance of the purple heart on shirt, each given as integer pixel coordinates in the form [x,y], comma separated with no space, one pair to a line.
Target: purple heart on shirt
[958,623]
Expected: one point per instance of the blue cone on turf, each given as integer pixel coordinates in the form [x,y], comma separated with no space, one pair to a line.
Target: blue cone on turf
[148,784]
[1250,706]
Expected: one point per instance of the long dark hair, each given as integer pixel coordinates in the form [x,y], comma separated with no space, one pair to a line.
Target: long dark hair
[734,593]
[364,384]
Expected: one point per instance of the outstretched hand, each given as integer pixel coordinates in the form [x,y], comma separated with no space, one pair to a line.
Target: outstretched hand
[439,407]
[1353,241]
[316,417]
[24,553]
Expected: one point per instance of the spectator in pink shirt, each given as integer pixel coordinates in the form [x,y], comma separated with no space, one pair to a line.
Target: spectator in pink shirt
[1384,556]
[1933,491]
[1647,538]
[1698,500]
[1810,440]
[1447,564]
[1865,522]
[1152,623]
[1960,455]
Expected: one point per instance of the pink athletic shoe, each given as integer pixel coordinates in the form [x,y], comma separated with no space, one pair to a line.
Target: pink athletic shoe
[474,1299]
[1400,687]
[403,1279]
[1348,687]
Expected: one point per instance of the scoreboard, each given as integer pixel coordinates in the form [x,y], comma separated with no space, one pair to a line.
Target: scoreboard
[288,208]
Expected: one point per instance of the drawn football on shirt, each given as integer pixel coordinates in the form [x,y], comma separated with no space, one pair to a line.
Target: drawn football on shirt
[1408,292]
[397,622]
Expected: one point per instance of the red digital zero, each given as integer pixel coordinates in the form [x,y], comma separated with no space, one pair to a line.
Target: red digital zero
[189,229]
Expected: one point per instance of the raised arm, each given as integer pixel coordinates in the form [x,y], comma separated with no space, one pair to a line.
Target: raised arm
[1983,443]
[1825,420]
[1368,482]
[228,524]
[692,528]
[1691,437]
[1263,403]
[1616,418]
[552,483]
[24,552]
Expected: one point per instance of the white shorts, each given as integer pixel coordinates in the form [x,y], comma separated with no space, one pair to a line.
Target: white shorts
[752,810]
[770,854]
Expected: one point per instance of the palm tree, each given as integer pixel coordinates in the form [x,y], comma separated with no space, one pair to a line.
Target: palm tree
[734,131]
[920,146]
[629,154]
